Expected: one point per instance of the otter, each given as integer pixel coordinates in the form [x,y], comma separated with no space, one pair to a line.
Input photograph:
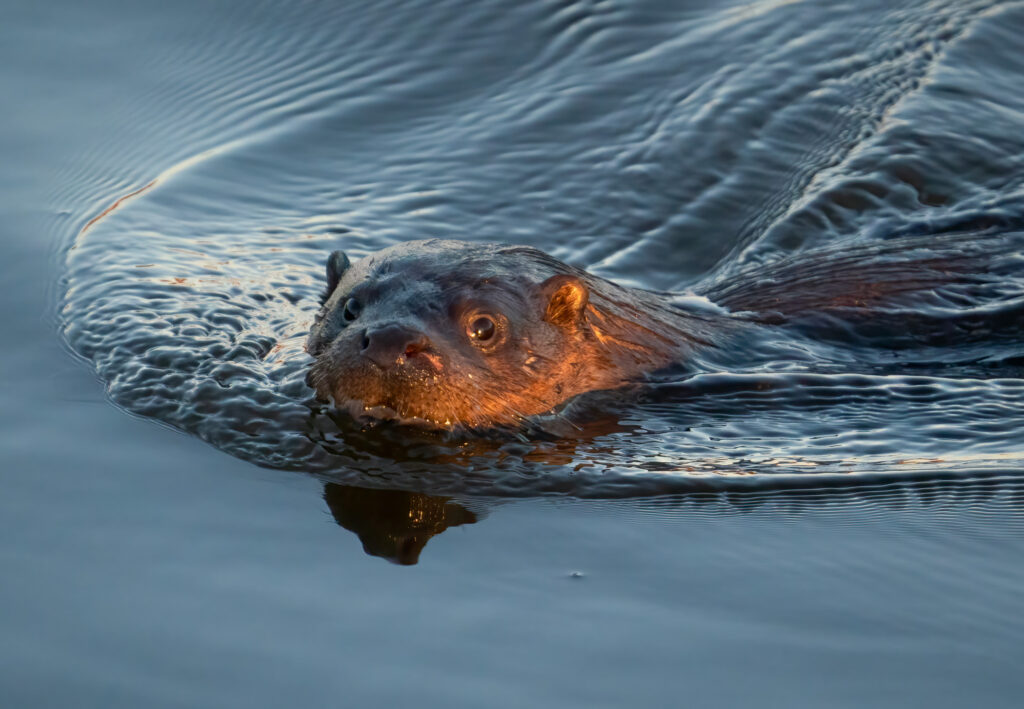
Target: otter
[456,335]
[453,334]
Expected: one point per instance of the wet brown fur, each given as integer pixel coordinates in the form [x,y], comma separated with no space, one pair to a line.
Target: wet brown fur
[563,331]
[566,332]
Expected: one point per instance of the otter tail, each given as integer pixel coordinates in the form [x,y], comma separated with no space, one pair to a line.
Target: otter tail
[875,275]
[939,290]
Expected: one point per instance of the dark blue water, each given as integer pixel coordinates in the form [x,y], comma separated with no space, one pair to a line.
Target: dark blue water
[184,526]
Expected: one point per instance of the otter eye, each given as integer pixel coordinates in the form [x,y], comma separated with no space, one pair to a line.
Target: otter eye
[351,310]
[481,329]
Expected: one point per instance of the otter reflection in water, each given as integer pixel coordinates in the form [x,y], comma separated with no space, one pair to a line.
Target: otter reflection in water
[396,525]
[455,335]
[393,524]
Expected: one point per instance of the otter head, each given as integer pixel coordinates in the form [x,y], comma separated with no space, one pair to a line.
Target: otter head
[454,335]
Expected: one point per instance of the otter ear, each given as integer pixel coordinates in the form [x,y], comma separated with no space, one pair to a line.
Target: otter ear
[566,298]
[337,264]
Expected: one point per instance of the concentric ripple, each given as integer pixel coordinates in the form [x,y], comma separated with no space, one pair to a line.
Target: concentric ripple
[667,148]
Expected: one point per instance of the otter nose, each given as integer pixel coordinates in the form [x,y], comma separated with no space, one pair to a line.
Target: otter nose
[390,345]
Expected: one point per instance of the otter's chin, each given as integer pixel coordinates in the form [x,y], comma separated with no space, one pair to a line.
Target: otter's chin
[382,408]
[384,412]
[426,411]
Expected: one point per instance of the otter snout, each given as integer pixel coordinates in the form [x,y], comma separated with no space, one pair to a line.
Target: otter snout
[393,345]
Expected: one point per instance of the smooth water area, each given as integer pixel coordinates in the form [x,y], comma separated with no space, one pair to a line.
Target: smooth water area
[184,526]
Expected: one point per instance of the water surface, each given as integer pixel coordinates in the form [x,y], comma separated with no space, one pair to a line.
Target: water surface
[839,526]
